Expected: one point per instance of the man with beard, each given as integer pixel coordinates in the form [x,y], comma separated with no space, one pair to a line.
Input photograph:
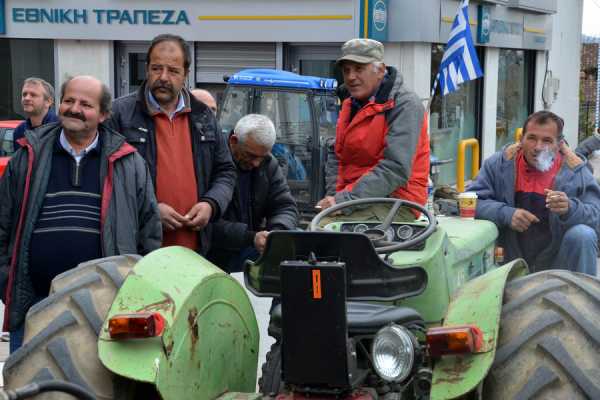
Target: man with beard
[177,135]
[262,200]
[61,194]
[543,199]
[37,98]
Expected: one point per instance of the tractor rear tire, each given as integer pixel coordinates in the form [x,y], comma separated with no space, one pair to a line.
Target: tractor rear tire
[61,332]
[270,384]
[549,343]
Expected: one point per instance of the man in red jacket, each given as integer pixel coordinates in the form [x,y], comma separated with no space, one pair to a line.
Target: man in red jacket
[382,145]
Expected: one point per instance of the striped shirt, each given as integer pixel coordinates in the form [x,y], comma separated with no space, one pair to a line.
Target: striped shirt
[67,229]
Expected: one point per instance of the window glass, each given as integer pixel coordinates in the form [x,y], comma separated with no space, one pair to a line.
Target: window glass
[235,105]
[137,70]
[290,112]
[327,108]
[321,68]
[21,59]
[6,134]
[513,95]
[452,118]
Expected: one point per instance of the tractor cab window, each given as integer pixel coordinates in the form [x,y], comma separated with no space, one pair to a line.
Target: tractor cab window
[6,141]
[236,104]
[290,113]
[327,108]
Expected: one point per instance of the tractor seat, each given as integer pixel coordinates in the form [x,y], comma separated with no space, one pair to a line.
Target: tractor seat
[362,318]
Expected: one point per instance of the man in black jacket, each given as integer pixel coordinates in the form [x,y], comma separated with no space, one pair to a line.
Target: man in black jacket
[261,202]
[177,135]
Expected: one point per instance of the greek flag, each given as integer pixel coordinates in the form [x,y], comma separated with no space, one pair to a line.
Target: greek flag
[459,63]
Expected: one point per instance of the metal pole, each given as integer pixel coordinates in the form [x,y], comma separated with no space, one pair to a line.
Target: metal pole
[597,116]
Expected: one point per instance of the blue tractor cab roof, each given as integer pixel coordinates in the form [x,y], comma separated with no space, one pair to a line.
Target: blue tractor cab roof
[279,78]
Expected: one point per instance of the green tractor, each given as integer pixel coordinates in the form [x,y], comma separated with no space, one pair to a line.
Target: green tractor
[374,309]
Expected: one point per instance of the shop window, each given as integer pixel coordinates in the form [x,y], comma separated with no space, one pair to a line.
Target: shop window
[515,93]
[453,117]
[21,59]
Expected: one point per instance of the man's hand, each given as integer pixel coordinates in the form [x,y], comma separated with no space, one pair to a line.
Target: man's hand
[199,215]
[557,202]
[171,219]
[522,219]
[260,241]
[328,201]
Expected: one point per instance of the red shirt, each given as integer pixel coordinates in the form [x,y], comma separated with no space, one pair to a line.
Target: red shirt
[175,175]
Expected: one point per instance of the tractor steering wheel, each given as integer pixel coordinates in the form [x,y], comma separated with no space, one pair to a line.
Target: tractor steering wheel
[377,234]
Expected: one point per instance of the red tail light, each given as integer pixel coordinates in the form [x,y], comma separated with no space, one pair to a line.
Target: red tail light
[136,326]
[454,340]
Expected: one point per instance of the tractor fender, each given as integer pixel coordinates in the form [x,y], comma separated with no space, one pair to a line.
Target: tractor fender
[210,341]
[478,302]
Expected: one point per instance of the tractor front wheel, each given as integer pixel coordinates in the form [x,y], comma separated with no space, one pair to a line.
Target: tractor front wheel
[61,332]
[549,343]
[270,384]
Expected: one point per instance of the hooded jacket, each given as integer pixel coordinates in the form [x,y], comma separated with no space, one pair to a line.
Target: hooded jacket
[495,188]
[384,149]
[213,167]
[126,191]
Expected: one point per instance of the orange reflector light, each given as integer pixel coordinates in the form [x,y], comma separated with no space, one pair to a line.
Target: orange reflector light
[454,340]
[136,326]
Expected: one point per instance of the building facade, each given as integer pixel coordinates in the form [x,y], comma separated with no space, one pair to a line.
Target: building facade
[529,51]
[588,94]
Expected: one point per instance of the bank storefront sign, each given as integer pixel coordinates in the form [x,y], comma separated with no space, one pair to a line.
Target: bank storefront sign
[209,20]
[76,16]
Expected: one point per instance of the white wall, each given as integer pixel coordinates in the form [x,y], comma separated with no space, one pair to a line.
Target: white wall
[84,57]
[413,60]
[490,102]
[564,63]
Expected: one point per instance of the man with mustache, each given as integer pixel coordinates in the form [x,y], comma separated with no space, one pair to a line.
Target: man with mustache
[543,199]
[61,194]
[37,98]
[381,141]
[178,136]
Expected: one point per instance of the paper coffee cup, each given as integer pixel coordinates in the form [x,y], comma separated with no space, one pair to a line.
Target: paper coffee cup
[467,202]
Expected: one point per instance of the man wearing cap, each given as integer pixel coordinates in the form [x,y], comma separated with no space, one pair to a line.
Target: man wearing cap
[382,145]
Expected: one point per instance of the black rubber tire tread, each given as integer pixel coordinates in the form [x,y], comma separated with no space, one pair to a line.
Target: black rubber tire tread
[270,382]
[61,332]
[549,343]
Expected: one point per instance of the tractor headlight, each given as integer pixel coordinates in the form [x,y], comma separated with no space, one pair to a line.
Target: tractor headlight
[393,353]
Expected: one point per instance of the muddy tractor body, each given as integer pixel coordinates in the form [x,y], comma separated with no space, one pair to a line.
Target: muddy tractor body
[365,309]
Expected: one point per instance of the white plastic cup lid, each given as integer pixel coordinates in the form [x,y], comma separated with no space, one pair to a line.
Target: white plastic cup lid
[468,195]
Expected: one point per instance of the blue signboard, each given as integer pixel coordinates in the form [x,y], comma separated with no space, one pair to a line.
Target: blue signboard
[483,24]
[2,18]
[374,19]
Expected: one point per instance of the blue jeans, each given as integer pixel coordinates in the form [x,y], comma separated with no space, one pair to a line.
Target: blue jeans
[579,250]
[236,263]
[16,338]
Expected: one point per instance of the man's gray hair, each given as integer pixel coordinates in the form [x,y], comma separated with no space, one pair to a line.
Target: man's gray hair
[259,126]
[377,66]
[48,88]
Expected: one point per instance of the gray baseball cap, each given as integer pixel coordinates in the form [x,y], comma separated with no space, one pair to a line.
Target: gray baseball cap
[362,51]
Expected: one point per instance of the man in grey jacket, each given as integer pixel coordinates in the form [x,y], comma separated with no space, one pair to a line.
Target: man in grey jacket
[543,199]
[61,194]
[381,143]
